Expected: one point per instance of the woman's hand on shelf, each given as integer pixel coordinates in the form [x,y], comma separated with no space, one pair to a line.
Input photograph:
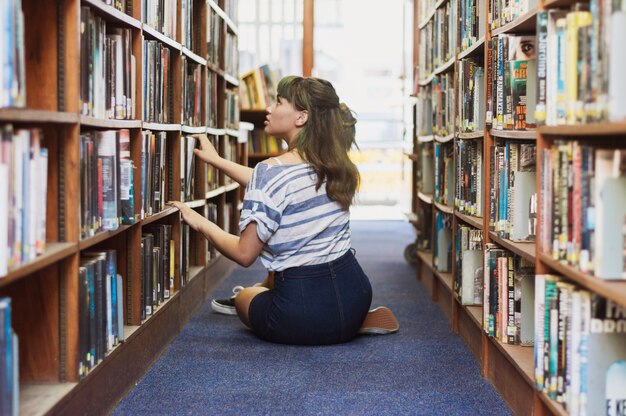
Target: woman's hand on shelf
[190,216]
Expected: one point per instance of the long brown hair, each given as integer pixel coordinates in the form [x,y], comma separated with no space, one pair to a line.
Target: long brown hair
[327,136]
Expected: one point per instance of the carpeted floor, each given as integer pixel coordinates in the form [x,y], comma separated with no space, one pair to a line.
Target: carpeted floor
[217,367]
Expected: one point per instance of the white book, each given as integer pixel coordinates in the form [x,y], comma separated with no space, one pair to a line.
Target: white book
[525,188]
[109,312]
[40,243]
[471,263]
[610,209]
[120,308]
[540,305]
[617,61]
[4,214]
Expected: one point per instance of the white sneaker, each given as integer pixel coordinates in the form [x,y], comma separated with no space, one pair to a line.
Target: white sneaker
[226,306]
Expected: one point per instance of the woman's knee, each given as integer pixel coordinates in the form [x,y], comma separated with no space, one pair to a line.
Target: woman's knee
[243,301]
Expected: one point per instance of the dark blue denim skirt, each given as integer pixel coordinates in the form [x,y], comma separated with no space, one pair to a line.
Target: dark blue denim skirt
[313,305]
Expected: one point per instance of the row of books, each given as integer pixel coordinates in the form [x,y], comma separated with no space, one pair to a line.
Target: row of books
[214,36]
[435,107]
[23,196]
[580,62]
[188,28]
[438,39]
[118,4]
[160,15]
[583,192]
[211,105]
[502,12]
[262,143]
[471,22]
[471,103]
[107,80]
[157,267]
[426,168]
[258,88]
[231,54]
[469,177]
[513,190]
[511,82]
[212,174]
[101,202]
[157,79]
[231,109]
[508,294]
[444,173]
[101,308]
[12,69]
[580,348]
[192,93]
[9,362]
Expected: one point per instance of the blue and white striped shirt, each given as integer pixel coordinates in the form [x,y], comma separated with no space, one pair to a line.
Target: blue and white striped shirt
[298,224]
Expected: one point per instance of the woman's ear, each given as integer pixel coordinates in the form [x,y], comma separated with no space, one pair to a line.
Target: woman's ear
[303,117]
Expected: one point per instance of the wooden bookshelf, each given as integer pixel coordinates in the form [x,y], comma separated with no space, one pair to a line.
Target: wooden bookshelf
[45,290]
[510,368]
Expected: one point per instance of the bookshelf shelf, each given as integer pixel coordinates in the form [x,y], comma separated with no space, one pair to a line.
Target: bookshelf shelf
[523,249]
[39,399]
[161,127]
[223,15]
[194,57]
[193,129]
[24,115]
[158,216]
[88,121]
[231,132]
[215,131]
[477,49]
[427,198]
[524,23]
[231,80]
[231,187]
[155,34]
[54,252]
[100,237]
[553,406]
[476,222]
[472,135]
[593,129]
[515,134]
[215,192]
[426,257]
[427,80]
[444,208]
[476,313]
[614,290]
[214,68]
[445,67]
[425,139]
[522,358]
[444,139]
[195,203]
[446,278]
[113,15]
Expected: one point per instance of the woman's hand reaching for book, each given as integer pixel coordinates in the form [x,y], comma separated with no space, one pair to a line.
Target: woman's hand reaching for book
[207,151]
[191,217]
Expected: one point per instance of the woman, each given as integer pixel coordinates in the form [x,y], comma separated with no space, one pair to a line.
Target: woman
[295,216]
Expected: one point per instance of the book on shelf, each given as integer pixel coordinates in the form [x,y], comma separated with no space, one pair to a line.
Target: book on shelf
[214,25]
[508,295]
[23,197]
[258,87]
[161,16]
[157,81]
[468,280]
[153,157]
[192,91]
[12,64]
[469,177]
[9,361]
[442,252]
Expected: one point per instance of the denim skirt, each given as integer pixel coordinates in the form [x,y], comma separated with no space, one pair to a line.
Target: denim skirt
[313,305]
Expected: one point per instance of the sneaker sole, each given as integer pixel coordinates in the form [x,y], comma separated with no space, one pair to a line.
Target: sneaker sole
[225,310]
[379,321]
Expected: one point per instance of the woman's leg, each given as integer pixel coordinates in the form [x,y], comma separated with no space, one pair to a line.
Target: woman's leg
[244,299]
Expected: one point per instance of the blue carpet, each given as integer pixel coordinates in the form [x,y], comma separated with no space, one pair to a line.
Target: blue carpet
[216,366]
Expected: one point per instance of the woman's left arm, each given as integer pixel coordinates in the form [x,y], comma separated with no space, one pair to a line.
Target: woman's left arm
[243,250]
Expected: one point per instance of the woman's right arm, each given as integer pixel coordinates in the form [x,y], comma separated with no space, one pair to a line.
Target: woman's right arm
[207,152]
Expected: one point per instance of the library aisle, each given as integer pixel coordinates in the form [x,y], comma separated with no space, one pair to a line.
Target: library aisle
[216,366]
